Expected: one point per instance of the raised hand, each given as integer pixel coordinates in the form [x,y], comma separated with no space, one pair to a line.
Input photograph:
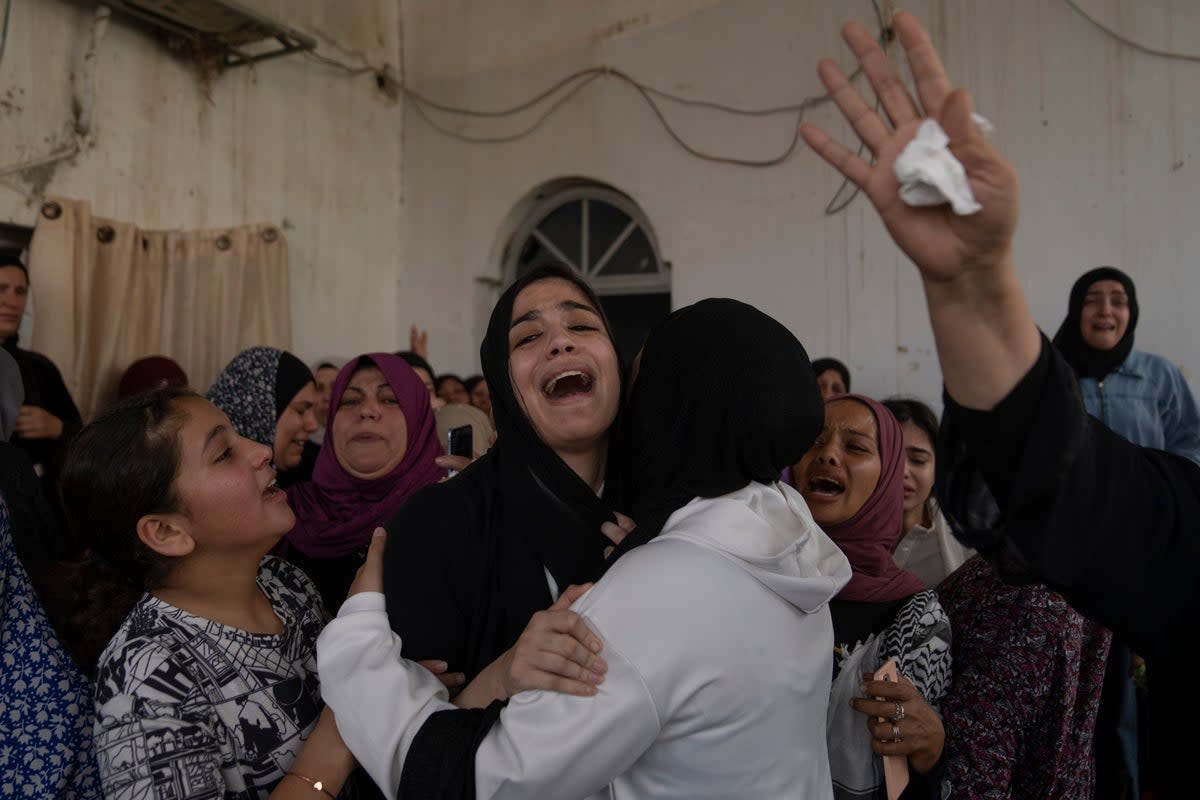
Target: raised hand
[369,577]
[944,245]
[418,341]
[985,334]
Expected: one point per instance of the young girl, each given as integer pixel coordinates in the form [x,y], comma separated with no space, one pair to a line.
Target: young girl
[208,686]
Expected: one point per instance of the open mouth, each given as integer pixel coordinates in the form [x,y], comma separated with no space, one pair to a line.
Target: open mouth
[825,487]
[272,491]
[568,384]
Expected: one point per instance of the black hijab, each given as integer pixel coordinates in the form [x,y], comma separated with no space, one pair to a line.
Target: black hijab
[466,560]
[725,395]
[1087,361]
[568,554]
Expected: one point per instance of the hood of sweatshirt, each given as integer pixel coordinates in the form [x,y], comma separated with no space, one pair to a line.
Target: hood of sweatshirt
[767,530]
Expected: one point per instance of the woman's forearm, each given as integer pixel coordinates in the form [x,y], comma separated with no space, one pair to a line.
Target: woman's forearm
[322,765]
[484,689]
[985,334]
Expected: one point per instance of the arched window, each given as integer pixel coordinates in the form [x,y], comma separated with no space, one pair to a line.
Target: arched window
[601,233]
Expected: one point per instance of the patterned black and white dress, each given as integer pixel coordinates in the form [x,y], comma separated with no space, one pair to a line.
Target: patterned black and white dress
[190,708]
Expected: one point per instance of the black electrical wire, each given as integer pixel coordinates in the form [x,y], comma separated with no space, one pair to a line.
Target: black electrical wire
[4,33]
[577,81]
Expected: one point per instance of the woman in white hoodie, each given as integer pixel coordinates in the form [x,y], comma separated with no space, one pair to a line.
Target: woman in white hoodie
[716,628]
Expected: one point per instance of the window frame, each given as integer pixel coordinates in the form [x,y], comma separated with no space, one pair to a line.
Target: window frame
[658,281]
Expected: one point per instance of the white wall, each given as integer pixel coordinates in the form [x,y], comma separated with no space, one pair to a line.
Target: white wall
[390,222]
[287,141]
[1105,139]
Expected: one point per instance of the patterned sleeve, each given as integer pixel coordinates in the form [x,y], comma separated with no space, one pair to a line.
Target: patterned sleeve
[996,697]
[154,734]
[301,593]
[919,641]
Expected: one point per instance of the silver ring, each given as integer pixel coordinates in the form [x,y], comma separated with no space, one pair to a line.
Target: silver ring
[899,715]
[896,737]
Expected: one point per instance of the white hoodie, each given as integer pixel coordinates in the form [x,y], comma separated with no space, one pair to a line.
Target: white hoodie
[719,648]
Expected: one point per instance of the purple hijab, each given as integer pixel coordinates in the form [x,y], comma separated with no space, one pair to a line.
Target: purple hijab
[336,512]
[869,537]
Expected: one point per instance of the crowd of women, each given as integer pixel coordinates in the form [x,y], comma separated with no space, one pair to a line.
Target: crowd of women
[699,575]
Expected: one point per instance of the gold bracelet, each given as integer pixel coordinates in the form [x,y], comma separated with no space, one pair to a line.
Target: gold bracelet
[317,785]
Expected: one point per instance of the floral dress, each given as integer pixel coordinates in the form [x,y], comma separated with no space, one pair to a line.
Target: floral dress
[45,701]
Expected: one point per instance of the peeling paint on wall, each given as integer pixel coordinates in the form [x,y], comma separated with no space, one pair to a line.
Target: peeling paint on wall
[627,25]
[285,139]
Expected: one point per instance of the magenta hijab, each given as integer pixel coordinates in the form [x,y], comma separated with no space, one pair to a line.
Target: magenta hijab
[869,537]
[336,513]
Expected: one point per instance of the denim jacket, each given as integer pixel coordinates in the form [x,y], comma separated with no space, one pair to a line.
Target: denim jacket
[1147,401]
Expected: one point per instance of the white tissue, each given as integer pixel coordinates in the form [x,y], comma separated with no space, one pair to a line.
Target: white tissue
[930,175]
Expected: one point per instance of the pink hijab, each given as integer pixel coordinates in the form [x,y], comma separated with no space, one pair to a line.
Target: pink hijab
[336,512]
[869,537]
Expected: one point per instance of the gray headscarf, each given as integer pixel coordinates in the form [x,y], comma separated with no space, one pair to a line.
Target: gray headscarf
[12,394]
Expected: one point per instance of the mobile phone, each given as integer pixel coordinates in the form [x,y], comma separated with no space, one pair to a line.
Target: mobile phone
[895,768]
[460,442]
